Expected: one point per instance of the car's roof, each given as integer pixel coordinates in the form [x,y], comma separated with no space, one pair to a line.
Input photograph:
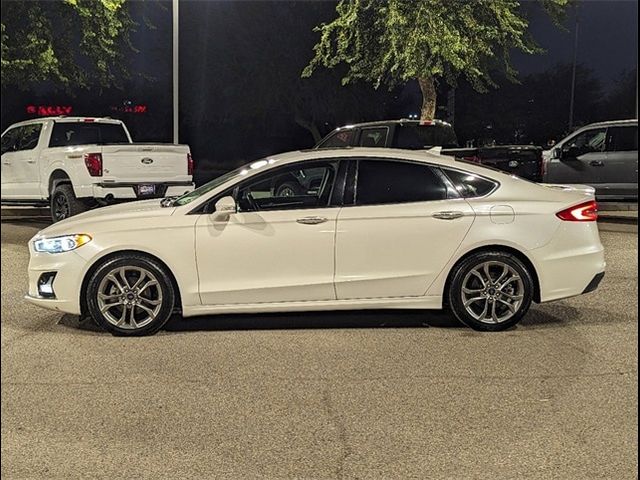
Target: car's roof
[401,121]
[63,119]
[431,156]
[630,121]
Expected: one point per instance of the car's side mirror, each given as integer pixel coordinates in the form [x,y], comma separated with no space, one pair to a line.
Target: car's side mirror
[556,153]
[225,207]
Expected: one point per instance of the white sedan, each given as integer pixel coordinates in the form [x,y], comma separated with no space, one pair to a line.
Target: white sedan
[326,230]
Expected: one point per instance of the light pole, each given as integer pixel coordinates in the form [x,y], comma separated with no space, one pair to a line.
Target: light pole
[175,71]
[573,72]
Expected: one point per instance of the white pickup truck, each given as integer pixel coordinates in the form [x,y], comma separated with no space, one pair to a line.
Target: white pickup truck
[75,163]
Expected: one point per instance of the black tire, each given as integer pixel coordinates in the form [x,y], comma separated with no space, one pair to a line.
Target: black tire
[288,189]
[163,306]
[64,203]
[489,293]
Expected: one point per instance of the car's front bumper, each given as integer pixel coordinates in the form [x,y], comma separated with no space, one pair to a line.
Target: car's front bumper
[69,268]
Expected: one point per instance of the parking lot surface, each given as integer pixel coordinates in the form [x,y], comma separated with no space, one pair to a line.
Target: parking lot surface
[325,395]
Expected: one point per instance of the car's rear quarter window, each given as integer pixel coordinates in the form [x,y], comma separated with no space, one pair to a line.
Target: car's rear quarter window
[470,185]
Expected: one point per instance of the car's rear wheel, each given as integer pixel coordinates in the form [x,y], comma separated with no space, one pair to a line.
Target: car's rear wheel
[64,203]
[491,291]
[130,295]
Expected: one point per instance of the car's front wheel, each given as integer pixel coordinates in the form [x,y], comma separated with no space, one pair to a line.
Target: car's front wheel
[491,291]
[130,295]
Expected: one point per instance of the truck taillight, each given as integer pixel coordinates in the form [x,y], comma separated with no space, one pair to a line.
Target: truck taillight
[93,161]
[584,212]
[189,164]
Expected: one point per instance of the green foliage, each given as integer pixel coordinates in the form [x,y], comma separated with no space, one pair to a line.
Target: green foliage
[392,41]
[70,42]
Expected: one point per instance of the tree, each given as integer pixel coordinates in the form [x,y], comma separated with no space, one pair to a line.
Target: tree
[70,42]
[393,41]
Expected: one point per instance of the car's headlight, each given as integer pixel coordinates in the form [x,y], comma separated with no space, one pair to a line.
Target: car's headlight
[64,243]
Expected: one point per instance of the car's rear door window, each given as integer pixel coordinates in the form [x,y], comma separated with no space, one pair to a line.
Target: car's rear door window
[416,137]
[622,139]
[374,137]
[388,181]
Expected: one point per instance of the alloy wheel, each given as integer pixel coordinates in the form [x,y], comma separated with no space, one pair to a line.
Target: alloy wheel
[492,292]
[129,297]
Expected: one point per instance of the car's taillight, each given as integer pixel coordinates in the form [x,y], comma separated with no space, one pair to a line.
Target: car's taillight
[93,161]
[189,164]
[585,212]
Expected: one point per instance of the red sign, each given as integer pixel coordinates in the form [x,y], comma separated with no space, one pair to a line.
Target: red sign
[49,110]
[130,109]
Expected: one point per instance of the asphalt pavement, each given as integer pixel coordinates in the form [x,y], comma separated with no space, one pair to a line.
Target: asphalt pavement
[392,395]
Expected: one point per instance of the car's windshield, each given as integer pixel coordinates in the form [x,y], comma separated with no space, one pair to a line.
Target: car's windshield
[216,182]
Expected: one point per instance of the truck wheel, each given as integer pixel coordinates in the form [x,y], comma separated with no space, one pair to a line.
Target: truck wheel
[64,203]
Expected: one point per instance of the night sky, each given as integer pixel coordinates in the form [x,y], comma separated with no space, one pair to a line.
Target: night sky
[607,39]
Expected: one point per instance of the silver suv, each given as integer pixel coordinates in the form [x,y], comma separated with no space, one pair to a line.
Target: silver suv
[603,155]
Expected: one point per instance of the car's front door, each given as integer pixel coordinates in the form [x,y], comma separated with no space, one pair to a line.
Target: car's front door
[279,246]
[580,159]
[400,231]
[620,171]
[9,146]
[22,161]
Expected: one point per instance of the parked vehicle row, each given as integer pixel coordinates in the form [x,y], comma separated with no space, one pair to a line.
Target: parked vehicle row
[74,163]
[371,228]
[522,160]
[603,155]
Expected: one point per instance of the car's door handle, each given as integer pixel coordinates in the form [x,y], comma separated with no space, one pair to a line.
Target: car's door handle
[448,215]
[596,163]
[31,161]
[311,220]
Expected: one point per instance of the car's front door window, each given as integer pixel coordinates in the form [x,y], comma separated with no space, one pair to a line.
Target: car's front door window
[289,188]
[589,141]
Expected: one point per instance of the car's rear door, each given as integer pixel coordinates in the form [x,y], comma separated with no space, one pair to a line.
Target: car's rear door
[279,246]
[620,171]
[397,230]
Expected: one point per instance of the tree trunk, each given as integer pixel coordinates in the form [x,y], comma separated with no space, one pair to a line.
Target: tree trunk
[428,88]
[309,125]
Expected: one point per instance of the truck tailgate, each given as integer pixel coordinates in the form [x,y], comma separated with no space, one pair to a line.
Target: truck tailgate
[524,161]
[145,163]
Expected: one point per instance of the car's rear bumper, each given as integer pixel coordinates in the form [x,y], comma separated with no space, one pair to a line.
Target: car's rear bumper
[129,190]
[572,263]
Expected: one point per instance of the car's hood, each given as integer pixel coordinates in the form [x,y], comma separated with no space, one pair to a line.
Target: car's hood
[100,218]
